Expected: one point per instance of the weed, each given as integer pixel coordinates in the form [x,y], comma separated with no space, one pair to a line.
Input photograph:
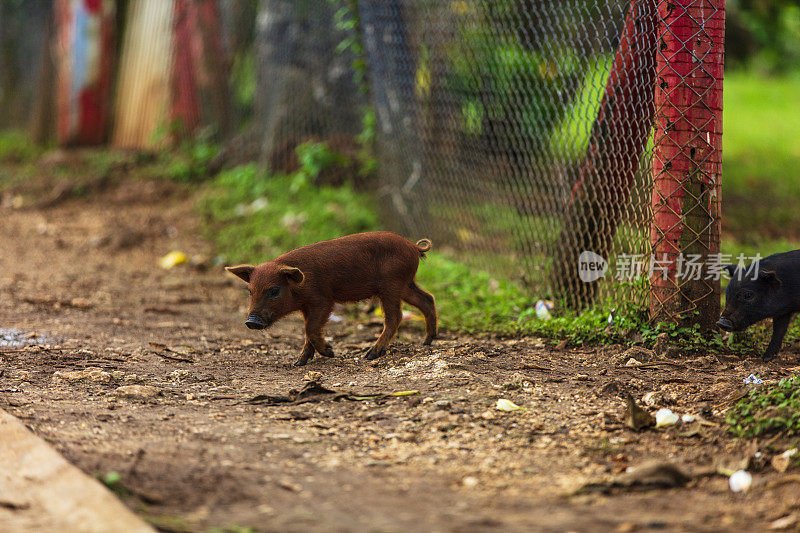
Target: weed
[190,162]
[768,409]
[15,147]
[314,158]
[254,216]
[113,481]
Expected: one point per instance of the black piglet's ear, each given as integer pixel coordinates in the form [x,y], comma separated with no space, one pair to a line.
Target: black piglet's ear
[770,277]
[730,269]
[242,271]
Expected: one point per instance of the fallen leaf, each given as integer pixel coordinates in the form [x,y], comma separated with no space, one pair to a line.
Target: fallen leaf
[781,462]
[172,259]
[783,523]
[508,405]
[635,417]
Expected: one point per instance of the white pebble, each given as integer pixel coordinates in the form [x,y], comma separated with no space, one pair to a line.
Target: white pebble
[740,481]
[469,481]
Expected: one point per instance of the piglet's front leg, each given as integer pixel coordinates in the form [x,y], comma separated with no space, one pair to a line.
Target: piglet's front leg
[315,321]
[780,324]
[306,355]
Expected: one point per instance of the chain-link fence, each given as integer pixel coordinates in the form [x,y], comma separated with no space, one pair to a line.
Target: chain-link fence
[517,134]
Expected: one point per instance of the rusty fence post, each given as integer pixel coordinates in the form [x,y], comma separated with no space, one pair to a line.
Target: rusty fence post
[687,162]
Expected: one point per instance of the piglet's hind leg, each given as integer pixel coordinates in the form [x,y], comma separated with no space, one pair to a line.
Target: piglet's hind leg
[393,313]
[423,301]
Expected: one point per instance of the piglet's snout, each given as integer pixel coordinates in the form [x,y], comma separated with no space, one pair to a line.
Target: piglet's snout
[725,324]
[254,322]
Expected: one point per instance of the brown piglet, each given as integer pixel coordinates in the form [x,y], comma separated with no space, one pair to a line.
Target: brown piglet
[313,278]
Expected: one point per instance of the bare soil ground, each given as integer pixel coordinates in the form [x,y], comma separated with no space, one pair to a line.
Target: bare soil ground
[80,282]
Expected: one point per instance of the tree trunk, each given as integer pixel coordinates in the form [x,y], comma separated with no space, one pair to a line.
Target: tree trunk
[304,89]
[392,70]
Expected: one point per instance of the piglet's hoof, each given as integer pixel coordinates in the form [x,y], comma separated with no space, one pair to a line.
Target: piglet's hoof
[328,351]
[302,361]
[374,353]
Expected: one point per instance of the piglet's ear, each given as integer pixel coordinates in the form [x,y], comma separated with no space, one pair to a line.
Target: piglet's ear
[242,271]
[770,277]
[294,275]
[730,269]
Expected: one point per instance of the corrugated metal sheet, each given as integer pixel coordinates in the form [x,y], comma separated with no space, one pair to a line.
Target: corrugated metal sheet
[144,86]
[84,67]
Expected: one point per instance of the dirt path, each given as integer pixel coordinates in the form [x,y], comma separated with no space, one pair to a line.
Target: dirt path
[83,275]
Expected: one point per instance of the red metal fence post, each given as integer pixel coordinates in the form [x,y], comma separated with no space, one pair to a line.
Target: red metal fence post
[687,161]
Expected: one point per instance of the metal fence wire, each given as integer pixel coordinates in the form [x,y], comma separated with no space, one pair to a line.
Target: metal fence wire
[518,134]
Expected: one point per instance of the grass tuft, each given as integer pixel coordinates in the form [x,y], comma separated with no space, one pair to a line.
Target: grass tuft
[768,409]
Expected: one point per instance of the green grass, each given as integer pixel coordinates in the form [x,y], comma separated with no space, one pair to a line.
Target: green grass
[16,147]
[768,409]
[761,149]
[253,216]
[571,137]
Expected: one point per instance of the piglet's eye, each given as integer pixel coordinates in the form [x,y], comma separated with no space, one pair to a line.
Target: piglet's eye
[273,292]
[747,295]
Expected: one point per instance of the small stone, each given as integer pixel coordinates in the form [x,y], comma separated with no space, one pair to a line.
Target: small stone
[443,404]
[740,481]
[81,303]
[632,362]
[650,399]
[98,376]
[636,352]
[666,418]
[469,481]
[288,485]
[141,392]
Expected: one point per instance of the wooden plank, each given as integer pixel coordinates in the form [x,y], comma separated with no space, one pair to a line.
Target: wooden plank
[85,57]
[41,491]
